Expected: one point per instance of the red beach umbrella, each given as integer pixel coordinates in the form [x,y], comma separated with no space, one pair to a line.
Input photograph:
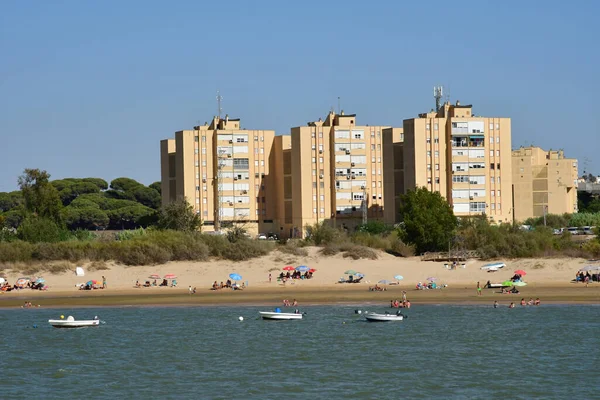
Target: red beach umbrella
[520,272]
[170,276]
[154,276]
[288,268]
[312,270]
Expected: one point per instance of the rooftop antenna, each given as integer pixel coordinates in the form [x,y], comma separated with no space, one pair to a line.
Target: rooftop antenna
[219,109]
[438,93]
[448,94]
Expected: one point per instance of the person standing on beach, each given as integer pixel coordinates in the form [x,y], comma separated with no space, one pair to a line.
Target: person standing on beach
[478,289]
[496,304]
[190,290]
[103,282]
[269,277]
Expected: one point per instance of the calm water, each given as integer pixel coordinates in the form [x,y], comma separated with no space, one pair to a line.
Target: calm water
[550,352]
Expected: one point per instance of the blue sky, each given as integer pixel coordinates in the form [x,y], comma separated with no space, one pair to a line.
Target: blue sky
[90,88]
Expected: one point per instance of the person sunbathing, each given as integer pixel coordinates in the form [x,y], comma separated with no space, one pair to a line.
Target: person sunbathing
[137,284]
[215,286]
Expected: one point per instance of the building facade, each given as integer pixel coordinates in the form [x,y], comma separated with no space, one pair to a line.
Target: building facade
[223,171]
[545,182]
[336,173]
[466,158]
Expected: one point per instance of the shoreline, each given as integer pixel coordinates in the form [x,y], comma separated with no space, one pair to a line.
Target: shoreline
[549,294]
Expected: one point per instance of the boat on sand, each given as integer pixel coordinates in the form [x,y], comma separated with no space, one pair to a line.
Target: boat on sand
[374,317]
[70,322]
[279,316]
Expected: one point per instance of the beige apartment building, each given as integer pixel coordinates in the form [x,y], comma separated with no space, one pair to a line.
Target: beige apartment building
[224,172]
[465,157]
[336,173]
[545,182]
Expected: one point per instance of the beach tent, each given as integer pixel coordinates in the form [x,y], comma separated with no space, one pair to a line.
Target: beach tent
[2,280]
[79,271]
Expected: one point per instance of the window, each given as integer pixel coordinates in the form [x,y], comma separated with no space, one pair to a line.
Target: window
[262,150]
[204,150]
[491,140]
[428,167]
[436,140]
[314,197]
[493,204]
[321,135]
[477,206]
[435,126]
[491,165]
[372,159]
[196,139]
[497,126]
[204,138]
[491,126]
[373,147]
[497,139]
[437,153]
[437,167]
[321,148]
[492,181]
[256,163]
[321,160]
[204,163]
[262,138]
[196,164]
[256,150]
[428,153]
[372,134]
[262,163]
[204,188]
[321,172]
[427,127]
[498,155]
[437,180]
[195,151]
[497,166]
[314,160]
[498,206]
[493,193]
[314,172]
[197,200]
[314,210]
[498,179]
[379,160]
[205,213]
[204,200]
[197,188]
[498,193]
[314,146]
[428,140]
[322,210]
[373,184]
[429,180]
[257,187]
[379,183]
[256,138]
[314,185]
[321,185]
[379,147]
[313,135]
[491,153]
[322,197]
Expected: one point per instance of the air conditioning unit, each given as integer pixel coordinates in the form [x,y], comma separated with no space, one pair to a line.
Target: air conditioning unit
[321,176]
[347,151]
[231,141]
[204,180]
[352,164]
[362,187]
[244,192]
[353,177]
[228,155]
[320,151]
[235,178]
[347,176]
[230,203]
[470,197]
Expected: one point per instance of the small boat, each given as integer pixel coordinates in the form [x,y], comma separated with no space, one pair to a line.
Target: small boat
[279,316]
[70,322]
[493,266]
[373,317]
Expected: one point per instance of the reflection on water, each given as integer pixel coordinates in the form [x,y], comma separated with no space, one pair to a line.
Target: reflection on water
[206,352]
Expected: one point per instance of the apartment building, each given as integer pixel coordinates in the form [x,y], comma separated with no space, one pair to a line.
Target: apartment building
[465,157]
[337,172]
[223,171]
[393,173]
[545,182]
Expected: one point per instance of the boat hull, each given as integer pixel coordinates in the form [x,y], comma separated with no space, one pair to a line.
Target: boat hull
[61,323]
[383,317]
[275,316]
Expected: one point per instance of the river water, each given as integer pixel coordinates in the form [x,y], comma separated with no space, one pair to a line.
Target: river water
[549,352]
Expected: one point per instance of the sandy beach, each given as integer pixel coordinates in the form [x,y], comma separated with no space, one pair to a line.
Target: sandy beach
[550,279]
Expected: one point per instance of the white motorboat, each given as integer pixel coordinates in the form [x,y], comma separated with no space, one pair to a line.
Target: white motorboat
[70,322]
[279,316]
[493,266]
[373,317]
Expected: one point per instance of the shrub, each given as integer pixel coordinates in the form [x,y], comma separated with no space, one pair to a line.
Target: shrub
[15,251]
[97,266]
[356,252]
[322,234]
[59,268]
[293,247]
[36,230]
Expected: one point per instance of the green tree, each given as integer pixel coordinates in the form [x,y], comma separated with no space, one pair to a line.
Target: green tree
[428,220]
[41,198]
[147,196]
[130,217]
[156,186]
[36,229]
[101,183]
[10,200]
[74,189]
[179,215]
[124,184]
[85,217]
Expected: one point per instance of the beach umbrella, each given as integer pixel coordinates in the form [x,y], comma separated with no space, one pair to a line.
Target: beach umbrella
[40,280]
[2,280]
[398,277]
[170,276]
[21,282]
[302,268]
[432,279]
[235,277]
[520,272]
[358,274]
[154,276]
[519,283]
[92,282]
[507,283]
[350,272]
[590,268]
[312,270]
[288,268]
[384,282]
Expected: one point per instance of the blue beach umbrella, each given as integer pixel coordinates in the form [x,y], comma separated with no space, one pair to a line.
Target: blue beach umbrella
[399,277]
[302,268]
[40,280]
[384,282]
[235,277]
